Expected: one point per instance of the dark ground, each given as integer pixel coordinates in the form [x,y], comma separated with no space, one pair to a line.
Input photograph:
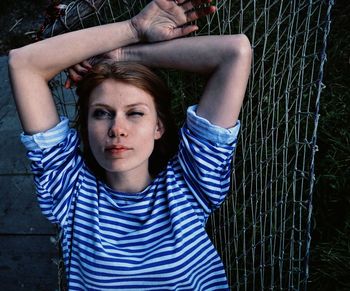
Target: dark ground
[19,21]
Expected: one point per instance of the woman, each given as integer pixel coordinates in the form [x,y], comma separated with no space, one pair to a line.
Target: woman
[128,223]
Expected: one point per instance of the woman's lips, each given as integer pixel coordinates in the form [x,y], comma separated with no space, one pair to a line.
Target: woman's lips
[117,149]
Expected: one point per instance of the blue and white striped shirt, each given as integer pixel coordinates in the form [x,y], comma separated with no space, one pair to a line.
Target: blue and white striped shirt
[152,240]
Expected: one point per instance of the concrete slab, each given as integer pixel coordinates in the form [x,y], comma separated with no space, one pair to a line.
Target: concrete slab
[12,153]
[19,209]
[28,263]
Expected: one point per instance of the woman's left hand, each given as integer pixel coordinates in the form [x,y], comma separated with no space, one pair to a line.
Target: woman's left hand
[168,19]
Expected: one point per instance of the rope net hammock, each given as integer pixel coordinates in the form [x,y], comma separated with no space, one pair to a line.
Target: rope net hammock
[263,230]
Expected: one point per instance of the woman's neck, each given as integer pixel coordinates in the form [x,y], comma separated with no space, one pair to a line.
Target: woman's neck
[128,182]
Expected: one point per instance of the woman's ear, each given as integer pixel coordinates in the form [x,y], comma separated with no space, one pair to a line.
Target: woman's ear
[159,129]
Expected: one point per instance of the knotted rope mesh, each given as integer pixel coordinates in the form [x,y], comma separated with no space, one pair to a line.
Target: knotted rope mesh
[263,230]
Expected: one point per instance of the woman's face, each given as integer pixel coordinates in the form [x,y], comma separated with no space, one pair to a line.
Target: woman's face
[122,127]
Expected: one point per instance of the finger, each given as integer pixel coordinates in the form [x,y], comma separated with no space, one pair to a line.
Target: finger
[189,5]
[80,69]
[184,30]
[194,2]
[68,83]
[200,2]
[199,13]
[178,2]
[187,29]
[86,65]
[73,75]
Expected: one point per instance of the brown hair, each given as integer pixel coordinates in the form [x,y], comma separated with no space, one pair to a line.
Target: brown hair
[143,78]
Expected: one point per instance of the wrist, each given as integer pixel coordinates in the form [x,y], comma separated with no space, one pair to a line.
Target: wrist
[119,54]
[135,29]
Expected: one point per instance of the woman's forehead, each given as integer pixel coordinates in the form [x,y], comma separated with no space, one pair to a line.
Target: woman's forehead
[120,94]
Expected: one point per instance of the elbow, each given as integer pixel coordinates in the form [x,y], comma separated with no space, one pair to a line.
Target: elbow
[241,47]
[237,48]
[17,59]
[20,60]
[237,53]
[13,59]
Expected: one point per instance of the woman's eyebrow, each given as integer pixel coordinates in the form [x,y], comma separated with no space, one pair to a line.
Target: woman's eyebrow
[137,104]
[126,106]
[100,105]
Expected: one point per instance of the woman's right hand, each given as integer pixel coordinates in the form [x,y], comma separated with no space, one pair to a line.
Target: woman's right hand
[76,73]
[167,19]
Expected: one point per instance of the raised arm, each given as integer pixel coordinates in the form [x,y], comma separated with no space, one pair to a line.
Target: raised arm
[31,67]
[225,59]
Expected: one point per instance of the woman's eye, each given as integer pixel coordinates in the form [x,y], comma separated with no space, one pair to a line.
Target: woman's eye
[100,114]
[136,113]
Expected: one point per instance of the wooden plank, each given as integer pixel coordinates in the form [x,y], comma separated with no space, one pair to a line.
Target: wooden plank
[19,209]
[27,263]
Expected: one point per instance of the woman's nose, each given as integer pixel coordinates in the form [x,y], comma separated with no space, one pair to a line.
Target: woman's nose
[117,128]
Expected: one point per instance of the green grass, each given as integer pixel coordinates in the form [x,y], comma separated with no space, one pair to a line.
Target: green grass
[330,249]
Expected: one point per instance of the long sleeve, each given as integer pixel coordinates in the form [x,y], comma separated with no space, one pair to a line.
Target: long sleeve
[205,156]
[55,163]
